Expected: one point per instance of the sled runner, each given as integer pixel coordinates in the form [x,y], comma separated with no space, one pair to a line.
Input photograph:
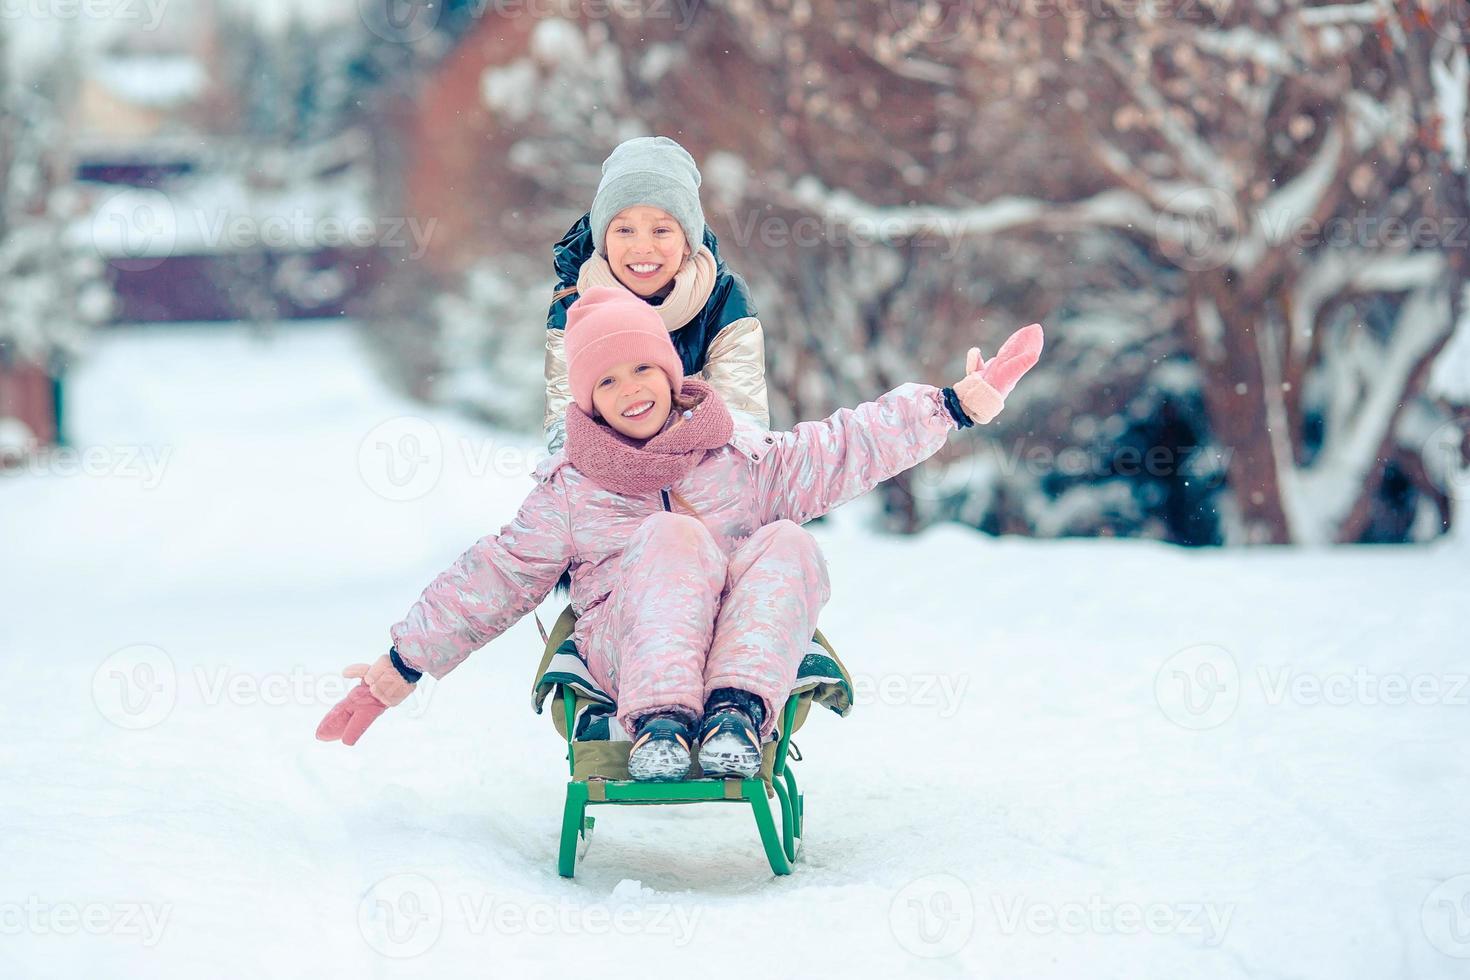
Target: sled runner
[597,749]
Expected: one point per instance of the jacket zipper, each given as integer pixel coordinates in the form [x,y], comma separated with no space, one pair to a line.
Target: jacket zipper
[665,494]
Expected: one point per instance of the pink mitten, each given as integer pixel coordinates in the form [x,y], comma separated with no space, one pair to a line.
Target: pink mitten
[383,679]
[984,388]
[1016,356]
[351,716]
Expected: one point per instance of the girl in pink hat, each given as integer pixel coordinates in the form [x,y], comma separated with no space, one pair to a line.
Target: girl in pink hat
[695,587]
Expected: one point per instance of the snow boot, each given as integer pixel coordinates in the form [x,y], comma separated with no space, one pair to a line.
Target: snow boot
[729,740]
[661,749]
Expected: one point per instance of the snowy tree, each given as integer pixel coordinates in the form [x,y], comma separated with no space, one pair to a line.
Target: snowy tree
[1237,144]
[560,99]
[1307,170]
[53,289]
[1237,219]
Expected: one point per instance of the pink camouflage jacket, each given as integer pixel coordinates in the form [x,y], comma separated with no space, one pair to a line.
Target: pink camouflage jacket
[757,478]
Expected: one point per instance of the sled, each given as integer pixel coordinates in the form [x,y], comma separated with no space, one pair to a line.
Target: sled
[597,750]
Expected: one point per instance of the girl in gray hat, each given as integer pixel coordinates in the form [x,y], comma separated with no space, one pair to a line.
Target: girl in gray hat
[646,234]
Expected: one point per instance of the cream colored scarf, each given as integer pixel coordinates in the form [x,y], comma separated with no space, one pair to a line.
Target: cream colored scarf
[693,284]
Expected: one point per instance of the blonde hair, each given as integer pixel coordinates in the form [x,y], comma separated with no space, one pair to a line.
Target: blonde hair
[681,402]
[679,499]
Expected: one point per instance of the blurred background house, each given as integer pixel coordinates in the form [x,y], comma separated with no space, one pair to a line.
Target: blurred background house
[1245,229]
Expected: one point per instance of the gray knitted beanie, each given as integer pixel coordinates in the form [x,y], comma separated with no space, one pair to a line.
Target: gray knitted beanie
[651,170]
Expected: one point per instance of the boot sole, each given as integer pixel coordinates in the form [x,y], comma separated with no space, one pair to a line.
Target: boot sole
[659,761]
[726,754]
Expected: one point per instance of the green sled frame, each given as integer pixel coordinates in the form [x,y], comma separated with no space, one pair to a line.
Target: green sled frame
[599,768]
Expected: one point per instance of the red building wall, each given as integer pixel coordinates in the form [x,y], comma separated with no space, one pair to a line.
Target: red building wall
[454,173]
[26,393]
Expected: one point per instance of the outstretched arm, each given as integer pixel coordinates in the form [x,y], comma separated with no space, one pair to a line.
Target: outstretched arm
[496,582]
[819,466]
[490,587]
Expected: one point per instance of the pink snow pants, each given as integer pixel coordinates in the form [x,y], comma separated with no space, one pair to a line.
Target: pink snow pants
[685,619]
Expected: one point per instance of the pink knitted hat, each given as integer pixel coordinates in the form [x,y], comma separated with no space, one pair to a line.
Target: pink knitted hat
[608,326]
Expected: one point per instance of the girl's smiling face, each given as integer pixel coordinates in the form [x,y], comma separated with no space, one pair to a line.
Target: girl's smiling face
[634,397]
[645,247]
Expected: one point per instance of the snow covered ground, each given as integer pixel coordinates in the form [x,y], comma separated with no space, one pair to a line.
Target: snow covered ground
[1069,759]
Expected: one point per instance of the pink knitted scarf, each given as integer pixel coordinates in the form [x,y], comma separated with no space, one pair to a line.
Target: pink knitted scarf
[634,466]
